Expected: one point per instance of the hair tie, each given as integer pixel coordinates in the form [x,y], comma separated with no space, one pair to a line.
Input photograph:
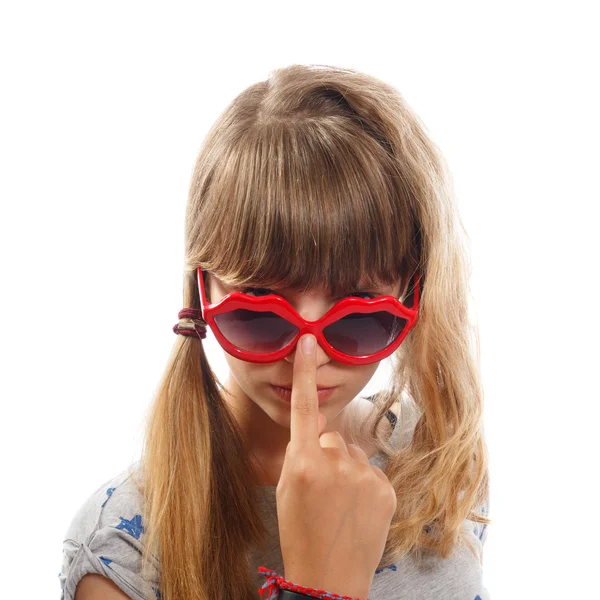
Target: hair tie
[197,328]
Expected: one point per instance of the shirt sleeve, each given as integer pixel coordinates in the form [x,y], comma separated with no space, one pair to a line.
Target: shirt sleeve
[479,535]
[480,530]
[106,537]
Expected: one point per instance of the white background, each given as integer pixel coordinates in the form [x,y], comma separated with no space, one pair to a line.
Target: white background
[104,107]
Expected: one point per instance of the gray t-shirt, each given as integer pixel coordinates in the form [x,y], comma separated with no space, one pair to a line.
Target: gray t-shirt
[106,537]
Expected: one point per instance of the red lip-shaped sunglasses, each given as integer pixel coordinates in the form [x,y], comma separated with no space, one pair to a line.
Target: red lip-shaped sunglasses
[354,331]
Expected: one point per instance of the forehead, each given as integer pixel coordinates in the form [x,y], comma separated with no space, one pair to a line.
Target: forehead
[321,290]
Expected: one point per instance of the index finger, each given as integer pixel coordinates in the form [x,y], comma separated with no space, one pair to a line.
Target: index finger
[304,426]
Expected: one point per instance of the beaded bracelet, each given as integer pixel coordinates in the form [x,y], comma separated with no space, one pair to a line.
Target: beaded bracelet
[279,588]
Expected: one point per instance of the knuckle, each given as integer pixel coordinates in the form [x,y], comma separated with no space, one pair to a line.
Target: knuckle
[302,471]
[367,474]
[357,449]
[303,404]
[350,472]
[379,472]
[345,474]
[385,490]
[392,498]
[363,475]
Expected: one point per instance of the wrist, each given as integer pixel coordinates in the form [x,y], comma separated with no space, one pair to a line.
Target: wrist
[340,585]
[276,588]
[285,594]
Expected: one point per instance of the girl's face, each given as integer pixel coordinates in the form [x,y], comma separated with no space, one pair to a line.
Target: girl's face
[250,384]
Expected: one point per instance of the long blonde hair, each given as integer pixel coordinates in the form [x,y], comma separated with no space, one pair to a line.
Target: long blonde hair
[317,176]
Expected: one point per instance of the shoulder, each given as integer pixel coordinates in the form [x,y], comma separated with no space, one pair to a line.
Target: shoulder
[395,408]
[406,415]
[100,503]
[392,414]
[479,530]
[105,537]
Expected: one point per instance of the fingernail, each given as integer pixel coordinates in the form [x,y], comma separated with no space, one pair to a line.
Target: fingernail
[308,345]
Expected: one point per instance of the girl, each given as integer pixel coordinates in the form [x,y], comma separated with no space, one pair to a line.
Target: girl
[319,209]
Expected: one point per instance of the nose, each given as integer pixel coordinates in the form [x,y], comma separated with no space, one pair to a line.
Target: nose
[311,307]
[321,356]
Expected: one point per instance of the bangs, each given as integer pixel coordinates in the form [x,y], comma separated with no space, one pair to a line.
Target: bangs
[312,205]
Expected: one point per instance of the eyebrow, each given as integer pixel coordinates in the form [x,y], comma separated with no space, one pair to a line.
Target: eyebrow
[281,291]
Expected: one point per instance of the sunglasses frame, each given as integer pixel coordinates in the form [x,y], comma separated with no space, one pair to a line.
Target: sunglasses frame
[281,307]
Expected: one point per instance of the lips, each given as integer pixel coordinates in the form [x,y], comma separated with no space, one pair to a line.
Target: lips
[286,393]
[319,387]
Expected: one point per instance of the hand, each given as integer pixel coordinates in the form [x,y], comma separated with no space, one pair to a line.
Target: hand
[334,509]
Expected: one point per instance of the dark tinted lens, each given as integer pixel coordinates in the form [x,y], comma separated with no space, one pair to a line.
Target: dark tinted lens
[254,331]
[361,334]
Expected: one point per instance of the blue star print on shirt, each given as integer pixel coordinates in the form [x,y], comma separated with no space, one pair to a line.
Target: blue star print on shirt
[133,527]
[109,492]
[391,567]
[157,593]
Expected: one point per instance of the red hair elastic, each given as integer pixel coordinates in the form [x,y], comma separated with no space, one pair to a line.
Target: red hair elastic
[197,328]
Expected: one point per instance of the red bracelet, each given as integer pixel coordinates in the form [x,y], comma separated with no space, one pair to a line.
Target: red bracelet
[275,583]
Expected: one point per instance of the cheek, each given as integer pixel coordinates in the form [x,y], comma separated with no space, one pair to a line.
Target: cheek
[367,371]
[238,367]
[357,377]
[246,373]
